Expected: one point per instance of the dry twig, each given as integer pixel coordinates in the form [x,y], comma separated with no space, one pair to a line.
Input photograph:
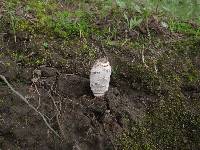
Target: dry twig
[57,116]
[31,106]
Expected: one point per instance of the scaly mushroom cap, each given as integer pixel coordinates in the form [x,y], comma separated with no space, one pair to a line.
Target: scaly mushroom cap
[100,77]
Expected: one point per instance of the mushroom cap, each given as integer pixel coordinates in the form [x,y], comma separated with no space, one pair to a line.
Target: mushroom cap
[100,77]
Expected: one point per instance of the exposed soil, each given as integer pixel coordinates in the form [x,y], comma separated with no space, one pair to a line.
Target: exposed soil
[82,121]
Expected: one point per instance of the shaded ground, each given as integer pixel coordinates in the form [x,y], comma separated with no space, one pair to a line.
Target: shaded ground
[153,99]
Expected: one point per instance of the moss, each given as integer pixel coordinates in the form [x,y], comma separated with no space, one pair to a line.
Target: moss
[136,138]
[170,123]
[24,25]
[87,52]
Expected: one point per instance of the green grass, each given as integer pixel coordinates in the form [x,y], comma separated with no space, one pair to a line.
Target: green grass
[183,27]
[47,17]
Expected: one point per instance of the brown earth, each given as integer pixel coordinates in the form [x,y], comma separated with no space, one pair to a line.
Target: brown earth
[84,122]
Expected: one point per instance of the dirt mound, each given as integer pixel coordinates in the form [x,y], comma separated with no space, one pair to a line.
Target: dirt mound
[82,121]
